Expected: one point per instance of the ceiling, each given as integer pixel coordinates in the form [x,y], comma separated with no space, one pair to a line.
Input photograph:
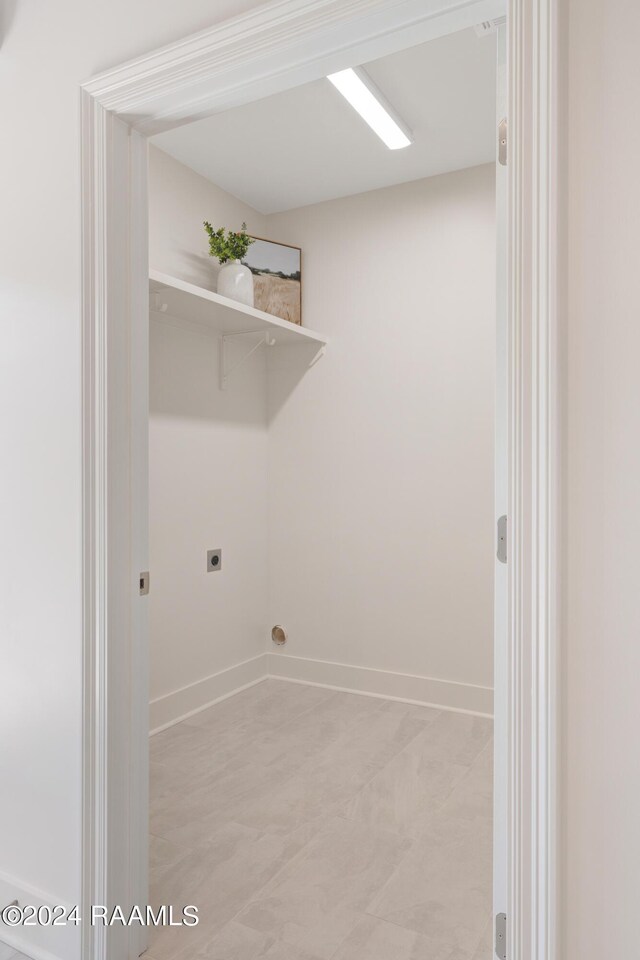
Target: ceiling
[307,144]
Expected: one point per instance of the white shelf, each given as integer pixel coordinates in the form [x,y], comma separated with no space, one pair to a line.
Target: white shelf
[185,301]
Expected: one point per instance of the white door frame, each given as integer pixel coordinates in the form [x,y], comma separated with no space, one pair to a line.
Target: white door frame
[278,45]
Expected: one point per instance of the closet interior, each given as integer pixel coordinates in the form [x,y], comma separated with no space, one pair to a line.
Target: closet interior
[321,518]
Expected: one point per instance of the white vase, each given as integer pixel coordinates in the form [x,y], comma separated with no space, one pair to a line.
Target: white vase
[236,282]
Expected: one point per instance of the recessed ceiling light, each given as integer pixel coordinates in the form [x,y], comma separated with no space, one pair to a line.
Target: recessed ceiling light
[359,89]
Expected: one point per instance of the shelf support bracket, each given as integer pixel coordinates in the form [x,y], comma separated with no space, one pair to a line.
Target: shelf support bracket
[265,338]
[159,304]
[318,355]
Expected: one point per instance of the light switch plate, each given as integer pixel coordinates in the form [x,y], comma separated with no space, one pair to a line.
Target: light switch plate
[214,560]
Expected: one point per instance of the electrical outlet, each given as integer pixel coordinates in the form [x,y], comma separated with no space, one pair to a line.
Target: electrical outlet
[214,560]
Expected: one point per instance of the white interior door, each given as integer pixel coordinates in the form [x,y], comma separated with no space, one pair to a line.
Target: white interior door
[501,500]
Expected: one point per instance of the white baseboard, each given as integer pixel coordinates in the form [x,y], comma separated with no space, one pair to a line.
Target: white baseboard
[38,942]
[443,694]
[179,704]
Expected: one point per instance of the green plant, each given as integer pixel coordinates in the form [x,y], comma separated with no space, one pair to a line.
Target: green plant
[230,245]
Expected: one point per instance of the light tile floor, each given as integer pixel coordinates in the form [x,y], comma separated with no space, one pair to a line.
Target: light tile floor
[312,825]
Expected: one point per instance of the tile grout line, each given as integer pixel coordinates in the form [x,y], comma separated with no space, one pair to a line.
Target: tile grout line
[335,815]
[234,759]
[398,754]
[465,777]
[378,773]
[255,895]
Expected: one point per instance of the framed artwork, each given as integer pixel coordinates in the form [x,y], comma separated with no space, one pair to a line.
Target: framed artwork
[277,278]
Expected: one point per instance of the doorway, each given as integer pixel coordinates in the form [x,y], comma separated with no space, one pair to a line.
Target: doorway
[103,129]
[329,795]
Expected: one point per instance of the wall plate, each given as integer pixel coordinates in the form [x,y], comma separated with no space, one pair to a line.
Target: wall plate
[214,560]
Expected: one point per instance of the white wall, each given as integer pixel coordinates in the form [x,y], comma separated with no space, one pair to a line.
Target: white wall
[601,655]
[47,51]
[179,200]
[207,465]
[207,489]
[381,458]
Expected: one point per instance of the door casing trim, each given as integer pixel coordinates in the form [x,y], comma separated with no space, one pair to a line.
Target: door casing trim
[277,45]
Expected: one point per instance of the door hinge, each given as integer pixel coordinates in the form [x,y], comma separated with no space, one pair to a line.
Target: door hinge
[501,936]
[502,141]
[501,551]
